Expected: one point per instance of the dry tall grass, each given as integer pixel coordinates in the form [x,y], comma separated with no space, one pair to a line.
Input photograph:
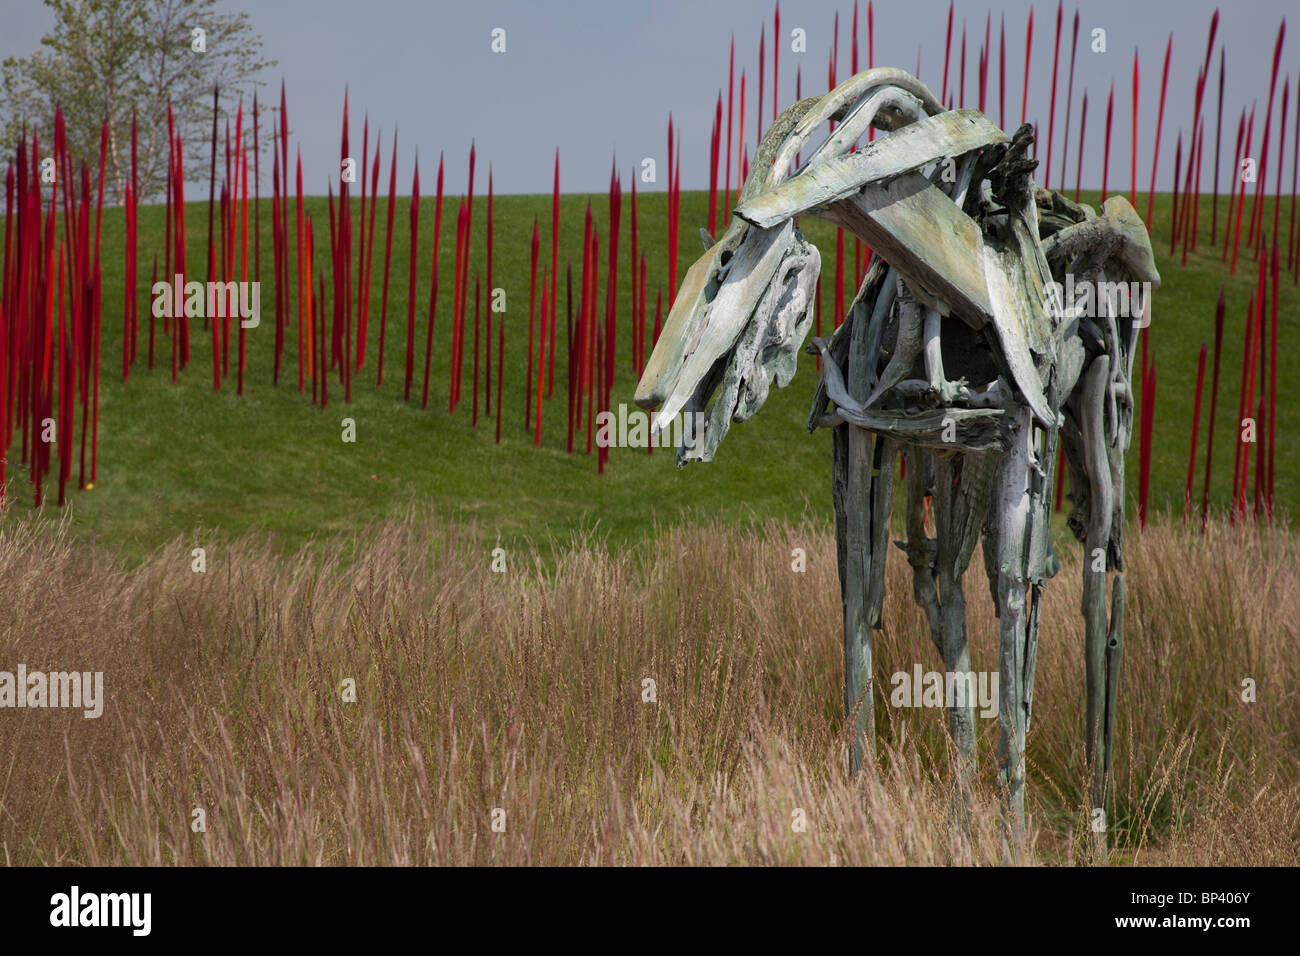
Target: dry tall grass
[523,691]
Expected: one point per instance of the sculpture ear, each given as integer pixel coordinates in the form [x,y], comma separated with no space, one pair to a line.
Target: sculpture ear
[706,239]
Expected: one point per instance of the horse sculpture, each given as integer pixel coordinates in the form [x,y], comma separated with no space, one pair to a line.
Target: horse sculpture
[961,353]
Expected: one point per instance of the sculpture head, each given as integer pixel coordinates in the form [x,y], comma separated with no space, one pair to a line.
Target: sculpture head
[735,327]
[742,312]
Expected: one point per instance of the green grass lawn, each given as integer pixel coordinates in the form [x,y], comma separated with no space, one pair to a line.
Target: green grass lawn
[181,459]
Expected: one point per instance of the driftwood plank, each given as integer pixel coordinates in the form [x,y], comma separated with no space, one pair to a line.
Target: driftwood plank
[1021,321]
[918,230]
[965,429]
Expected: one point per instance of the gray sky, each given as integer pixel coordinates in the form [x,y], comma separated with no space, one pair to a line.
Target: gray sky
[598,78]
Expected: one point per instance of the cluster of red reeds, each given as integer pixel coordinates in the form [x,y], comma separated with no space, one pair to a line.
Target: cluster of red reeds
[50,312]
[538,343]
[1257,407]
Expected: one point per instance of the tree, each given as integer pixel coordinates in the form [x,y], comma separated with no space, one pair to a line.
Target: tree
[105,58]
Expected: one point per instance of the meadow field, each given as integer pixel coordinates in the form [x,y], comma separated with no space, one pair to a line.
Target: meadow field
[521,697]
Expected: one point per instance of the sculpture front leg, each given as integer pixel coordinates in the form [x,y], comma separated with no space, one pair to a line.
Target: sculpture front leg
[1014,516]
[960,502]
[854,522]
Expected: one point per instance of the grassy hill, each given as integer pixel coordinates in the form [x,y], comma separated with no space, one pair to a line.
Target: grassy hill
[183,460]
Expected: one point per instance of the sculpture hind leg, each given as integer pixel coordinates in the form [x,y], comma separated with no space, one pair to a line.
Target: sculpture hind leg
[1099,451]
[960,498]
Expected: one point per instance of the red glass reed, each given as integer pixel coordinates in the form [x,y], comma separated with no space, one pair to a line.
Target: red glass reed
[410,299]
[1214,404]
[1105,165]
[1196,423]
[388,259]
[532,327]
[433,289]
[1160,122]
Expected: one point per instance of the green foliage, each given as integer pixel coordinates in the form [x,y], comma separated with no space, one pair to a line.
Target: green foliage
[104,59]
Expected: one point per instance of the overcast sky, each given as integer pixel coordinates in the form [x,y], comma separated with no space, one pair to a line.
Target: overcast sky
[598,78]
